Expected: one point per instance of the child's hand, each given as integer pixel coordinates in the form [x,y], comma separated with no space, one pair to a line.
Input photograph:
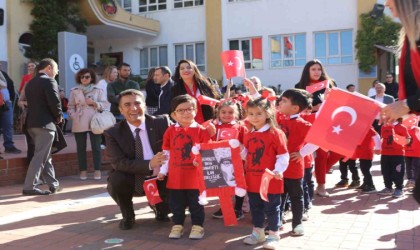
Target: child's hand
[211,129]
[295,156]
[277,175]
[377,151]
[230,84]
[161,177]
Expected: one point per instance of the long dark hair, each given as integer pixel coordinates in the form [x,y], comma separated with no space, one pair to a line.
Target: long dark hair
[202,82]
[305,78]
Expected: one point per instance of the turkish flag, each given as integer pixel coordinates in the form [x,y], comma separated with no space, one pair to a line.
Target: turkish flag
[265,182]
[342,122]
[227,134]
[233,63]
[205,100]
[410,121]
[316,87]
[152,192]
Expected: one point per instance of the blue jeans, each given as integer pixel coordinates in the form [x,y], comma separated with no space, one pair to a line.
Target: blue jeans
[6,121]
[261,209]
[308,187]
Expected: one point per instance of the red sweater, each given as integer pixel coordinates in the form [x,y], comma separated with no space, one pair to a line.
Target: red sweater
[263,147]
[295,130]
[413,148]
[179,141]
[365,149]
[389,146]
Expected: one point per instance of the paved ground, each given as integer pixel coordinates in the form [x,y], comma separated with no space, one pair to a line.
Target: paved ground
[83,216]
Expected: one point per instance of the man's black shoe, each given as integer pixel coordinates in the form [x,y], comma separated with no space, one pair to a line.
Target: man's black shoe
[162,217]
[12,150]
[35,192]
[126,224]
[56,189]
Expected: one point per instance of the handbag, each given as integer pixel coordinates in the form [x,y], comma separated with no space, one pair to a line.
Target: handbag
[59,142]
[101,121]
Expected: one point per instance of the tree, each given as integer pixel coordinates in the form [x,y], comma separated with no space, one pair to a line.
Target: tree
[51,17]
[381,31]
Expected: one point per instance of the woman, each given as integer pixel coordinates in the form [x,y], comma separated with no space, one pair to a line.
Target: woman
[26,78]
[152,93]
[313,73]
[409,69]
[372,91]
[109,75]
[85,100]
[188,80]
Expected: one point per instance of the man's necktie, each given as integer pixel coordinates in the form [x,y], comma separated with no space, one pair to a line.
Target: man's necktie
[139,179]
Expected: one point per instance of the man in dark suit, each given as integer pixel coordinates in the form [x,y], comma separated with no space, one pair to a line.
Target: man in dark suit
[126,167]
[383,98]
[44,111]
[162,77]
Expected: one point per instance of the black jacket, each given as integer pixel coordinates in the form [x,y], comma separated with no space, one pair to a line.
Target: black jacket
[165,99]
[10,86]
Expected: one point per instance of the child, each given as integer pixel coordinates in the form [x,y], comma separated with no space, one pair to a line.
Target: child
[364,152]
[392,158]
[294,101]
[412,157]
[265,147]
[348,164]
[228,114]
[183,182]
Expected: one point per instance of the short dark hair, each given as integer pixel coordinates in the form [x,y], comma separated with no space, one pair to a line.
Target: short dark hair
[130,92]
[349,86]
[83,71]
[45,63]
[123,64]
[299,97]
[165,70]
[176,101]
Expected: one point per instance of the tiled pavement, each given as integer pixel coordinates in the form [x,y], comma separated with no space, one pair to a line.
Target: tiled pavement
[83,216]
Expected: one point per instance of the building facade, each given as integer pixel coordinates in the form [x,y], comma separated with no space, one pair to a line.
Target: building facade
[277,37]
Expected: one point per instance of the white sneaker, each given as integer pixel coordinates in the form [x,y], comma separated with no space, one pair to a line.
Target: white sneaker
[298,230]
[176,232]
[305,216]
[272,242]
[256,237]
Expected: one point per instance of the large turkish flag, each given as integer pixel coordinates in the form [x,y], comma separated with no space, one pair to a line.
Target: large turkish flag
[233,63]
[343,122]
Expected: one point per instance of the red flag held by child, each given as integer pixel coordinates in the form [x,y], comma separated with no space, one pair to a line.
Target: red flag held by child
[227,134]
[342,122]
[152,192]
[410,121]
[205,100]
[265,182]
[233,63]
[316,87]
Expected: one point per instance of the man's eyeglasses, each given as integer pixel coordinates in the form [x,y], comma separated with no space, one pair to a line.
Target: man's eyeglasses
[85,77]
[183,111]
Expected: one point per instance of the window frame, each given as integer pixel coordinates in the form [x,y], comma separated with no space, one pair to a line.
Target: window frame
[249,62]
[326,59]
[149,59]
[201,67]
[121,3]
[283,58]
[156,4]
[183,3]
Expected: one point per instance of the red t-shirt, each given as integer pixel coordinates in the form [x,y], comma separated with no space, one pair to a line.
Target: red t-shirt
[309,117]
[179,141]
[413,148]
[295,130]
[365,149]
[262,150]
[389,146]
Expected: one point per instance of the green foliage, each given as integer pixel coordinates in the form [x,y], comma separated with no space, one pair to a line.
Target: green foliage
[374,31]
[51,17]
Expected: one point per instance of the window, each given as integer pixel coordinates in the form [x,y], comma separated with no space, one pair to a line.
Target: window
[187,3]
[125,4]
[288,50]
[335,47]
[151,5]
[252,48]
[153,57]
[191,51]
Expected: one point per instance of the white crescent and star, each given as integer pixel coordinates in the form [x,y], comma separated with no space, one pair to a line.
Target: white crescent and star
[337,129]
[151,190]
[239,62]
[223,132]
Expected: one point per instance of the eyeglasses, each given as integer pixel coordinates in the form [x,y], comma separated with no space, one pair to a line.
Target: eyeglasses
[183,111]
[85,77]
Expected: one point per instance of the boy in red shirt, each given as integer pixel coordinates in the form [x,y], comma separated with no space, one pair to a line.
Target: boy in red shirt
[294,101]
[183,176]
[412,156]
[392,159]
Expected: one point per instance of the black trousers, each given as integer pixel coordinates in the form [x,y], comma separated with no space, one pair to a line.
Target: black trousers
[179,200]
[365,166]
[121,189]
[293,190]
[349,165]
[393,169]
